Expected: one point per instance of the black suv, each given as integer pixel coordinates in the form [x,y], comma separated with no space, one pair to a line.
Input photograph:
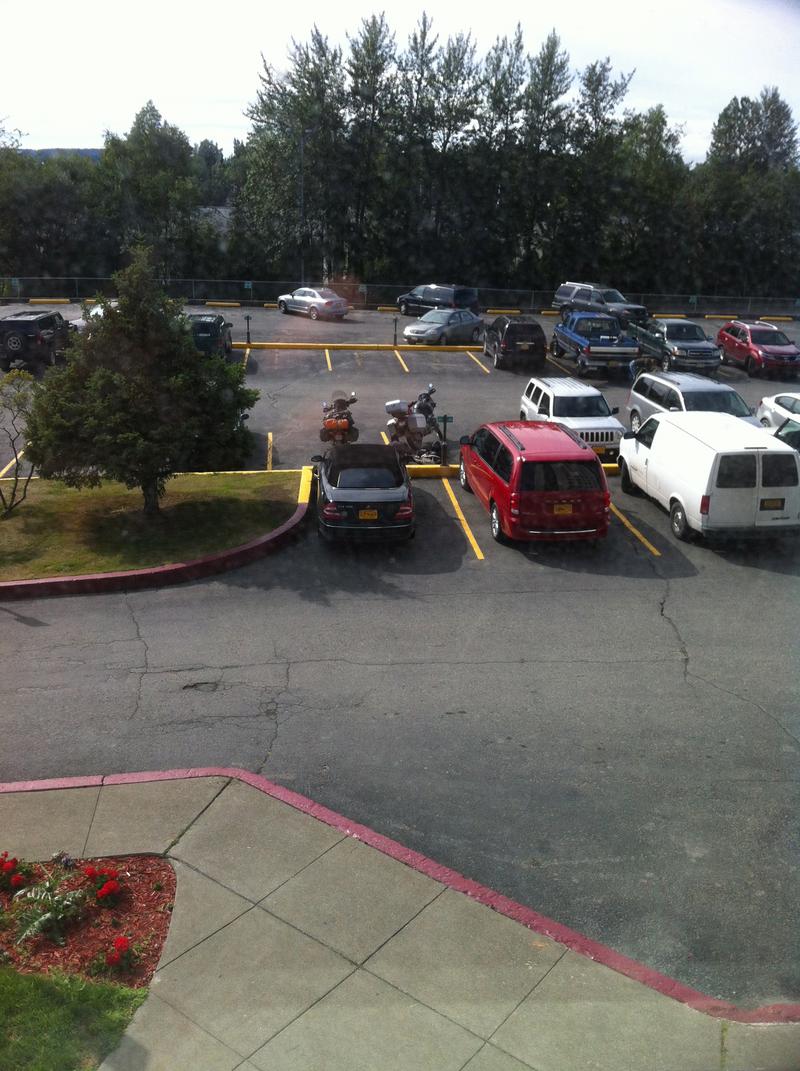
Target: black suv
[211,334]
[32,336]
[438,296]
[515,339]
[595,297]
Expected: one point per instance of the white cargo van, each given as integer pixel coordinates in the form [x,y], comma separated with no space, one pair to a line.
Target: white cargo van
[715,474]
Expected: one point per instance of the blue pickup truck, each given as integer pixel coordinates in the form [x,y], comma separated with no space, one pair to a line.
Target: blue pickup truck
[594,341]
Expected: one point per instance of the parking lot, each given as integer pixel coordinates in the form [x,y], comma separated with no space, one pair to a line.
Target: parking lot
[610,736]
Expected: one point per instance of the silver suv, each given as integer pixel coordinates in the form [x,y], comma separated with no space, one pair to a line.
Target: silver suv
[665,392]
[576,406]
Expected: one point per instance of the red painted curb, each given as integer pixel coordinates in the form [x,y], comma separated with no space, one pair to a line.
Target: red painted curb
[159,575]
[532,920]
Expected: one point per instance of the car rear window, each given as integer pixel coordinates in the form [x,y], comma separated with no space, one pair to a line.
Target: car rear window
[518,331]
[778,470]
[361,478]
[737,470]
[561,476]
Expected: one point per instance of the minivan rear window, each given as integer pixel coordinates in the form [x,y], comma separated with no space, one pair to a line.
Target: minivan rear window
[778,470]
[560,476]
[737,470]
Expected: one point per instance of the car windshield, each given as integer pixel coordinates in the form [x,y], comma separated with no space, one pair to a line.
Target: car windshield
[769,338]
[599,328]
[588,405]
[685,333]
[435,316]
[613,295]
[789,433]
[715,401]
[379,477]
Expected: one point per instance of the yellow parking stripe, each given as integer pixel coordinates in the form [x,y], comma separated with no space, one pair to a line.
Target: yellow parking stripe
[402,362]
[269,451]
[10,465]
[246,358]
[480,364]
[559,366]
[467,530]
[385,438]
[631,528]
[328,359]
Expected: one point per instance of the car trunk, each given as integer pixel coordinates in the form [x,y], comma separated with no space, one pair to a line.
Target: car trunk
[563,496]
[758,490]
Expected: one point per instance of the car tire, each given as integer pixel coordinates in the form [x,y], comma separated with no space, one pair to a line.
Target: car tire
[15,343]
[582,368]
[556,348]
[403,309]
[282,306]
[625,481]
[522,416]
[751,367]
[497,360]
[666,364]
[765,423]
[678,522]
[313,314]
[636,421]
[462,477]
[495,525]
[476,334]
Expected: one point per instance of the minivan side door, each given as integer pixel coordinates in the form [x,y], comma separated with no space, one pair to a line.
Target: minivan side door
[481,476]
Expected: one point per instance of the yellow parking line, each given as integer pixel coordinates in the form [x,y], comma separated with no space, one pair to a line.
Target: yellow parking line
[328,359]
[385,438]
[11,464]
[480,364]
[246,358]
[631,528]
[463,519]
[560,366]
[402,362]
[269,451]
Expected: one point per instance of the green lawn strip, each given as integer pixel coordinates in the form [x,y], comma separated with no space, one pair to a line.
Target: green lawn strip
[59,531]
[56,1022]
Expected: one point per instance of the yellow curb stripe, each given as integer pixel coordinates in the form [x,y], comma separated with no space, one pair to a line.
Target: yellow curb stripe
[328,359]
[504,312]
[304,493]
[224,304]
[429,472]
[777,319]
[51,301]
[270,304]
[350,346]
[548,312]
[385,438]
[720,316]
[403,364]
[11,464]
[387,308]
[480,364]
[669,316]
[612,468]
[631,528]
[467,530]
[269,451]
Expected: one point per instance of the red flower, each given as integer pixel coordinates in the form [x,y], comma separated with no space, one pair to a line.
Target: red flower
[17,880]
[9,865]
[113,958]
[122,944]
[109,872]
[90,872]
[3,855]
[110,888]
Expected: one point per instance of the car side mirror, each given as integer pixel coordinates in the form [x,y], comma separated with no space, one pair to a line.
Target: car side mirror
[674,409]
[629,435]
[615,410]
[317,458]
[465,440]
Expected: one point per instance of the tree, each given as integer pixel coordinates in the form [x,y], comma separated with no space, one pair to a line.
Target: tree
[136,402]
[17,390]
[755,133]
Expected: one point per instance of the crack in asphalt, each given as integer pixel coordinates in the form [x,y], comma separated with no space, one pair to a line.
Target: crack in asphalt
[682,647]
[749,702]
[269,708]
[144,669]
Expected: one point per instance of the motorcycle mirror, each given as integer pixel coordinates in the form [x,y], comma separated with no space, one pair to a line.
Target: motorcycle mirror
[317,458]
[353,396]
[431,388]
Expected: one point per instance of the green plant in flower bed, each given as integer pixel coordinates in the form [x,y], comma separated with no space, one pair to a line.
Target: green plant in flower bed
[45,911]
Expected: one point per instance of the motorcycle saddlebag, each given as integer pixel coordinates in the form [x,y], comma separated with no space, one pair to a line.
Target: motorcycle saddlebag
[417,422]
[397,407]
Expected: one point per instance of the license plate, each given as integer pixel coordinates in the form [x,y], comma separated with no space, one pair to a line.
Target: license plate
[772,503]
[368,515]
[614,364]
[562,507]
[599,449]
[524,345]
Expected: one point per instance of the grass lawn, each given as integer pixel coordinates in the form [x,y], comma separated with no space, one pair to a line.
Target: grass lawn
[61,531]
[58,1023]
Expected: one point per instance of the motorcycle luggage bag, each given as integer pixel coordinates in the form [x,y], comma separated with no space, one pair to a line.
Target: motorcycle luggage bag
[396,408]
[417,422]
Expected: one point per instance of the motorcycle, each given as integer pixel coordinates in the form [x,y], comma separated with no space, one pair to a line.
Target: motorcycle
[338,425]
[411,422]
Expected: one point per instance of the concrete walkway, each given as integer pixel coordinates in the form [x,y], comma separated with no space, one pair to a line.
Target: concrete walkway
[295,946]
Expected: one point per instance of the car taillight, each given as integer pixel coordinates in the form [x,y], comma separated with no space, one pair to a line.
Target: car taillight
[606,498]
[332,512]
[514,504]
[39,337]
[406,511]
[587,350]
[705,501]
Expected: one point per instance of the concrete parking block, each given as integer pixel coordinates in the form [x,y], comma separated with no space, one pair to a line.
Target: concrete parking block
[367,1025]
[36,824]
[466,961]
[252,843]
[770,1047]
[491,1059]
[586,1016]
[161,1039]
[250,979]
[353,898]
[201,908]
[147,817]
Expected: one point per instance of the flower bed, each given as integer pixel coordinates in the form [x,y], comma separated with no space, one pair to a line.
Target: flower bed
[105,918]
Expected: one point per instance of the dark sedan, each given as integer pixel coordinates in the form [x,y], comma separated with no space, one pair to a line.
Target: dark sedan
[364,494]
[443,327]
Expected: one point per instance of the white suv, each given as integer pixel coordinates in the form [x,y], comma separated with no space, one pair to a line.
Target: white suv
[576,406]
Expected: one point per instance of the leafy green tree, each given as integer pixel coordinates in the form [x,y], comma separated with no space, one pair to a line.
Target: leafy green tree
[136,402]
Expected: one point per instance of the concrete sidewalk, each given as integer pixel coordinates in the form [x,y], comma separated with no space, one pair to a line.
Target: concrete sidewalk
[294,945]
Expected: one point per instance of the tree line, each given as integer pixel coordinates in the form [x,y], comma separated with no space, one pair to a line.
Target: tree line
[388,163]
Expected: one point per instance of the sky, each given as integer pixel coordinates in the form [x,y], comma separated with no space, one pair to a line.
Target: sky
[93,65]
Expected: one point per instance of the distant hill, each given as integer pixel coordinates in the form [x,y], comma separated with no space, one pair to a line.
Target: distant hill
[93,154]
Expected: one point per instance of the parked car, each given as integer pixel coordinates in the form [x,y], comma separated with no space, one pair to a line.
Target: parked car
[316,303]
[758,347]
[577,406]
[32,337]
[538,482]
[82,323]
[773,411]
[595,342]
[661,392]
[438,296]
[714,474]
[445,326]
[677,345]
[211,333]
[595,297]
[364,493]
[510,340]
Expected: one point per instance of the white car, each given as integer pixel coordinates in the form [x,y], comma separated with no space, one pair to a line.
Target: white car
[82,322]
[574,405]
[774,410]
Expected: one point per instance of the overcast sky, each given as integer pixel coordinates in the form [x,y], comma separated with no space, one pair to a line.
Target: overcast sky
[89,67]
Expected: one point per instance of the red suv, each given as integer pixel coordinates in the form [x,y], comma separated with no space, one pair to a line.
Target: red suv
[537,480]
[758,347]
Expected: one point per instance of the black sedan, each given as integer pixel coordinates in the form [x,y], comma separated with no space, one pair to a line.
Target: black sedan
[364,493]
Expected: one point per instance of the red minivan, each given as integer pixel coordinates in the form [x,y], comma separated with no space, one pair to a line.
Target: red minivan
[537,480]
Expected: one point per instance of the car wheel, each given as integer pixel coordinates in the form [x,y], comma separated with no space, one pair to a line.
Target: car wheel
[313,314]
[462,477]
[625,481]
[15,343]
[666,363]
[522,416]
[494,524]
[582,366]
[476,334]
[282,306]
[403,309]
[636,421]
[442,339]
[497,360]
[751,367]
[765,422]
[677,521]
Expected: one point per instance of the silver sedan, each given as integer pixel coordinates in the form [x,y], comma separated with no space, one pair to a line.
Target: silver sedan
[442,327]
[315,303]
[774,410]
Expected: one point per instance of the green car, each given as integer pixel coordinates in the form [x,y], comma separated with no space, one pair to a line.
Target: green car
[677,345]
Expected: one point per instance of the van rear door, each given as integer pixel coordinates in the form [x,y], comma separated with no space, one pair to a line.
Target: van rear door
[732,501]
[563,496]
[778,502]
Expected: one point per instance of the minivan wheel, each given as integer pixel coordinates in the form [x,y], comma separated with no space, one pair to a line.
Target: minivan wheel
[751,367]
[625,481]
[494,521]
[462,477]
[677,521]
[497,360]
[636,421]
